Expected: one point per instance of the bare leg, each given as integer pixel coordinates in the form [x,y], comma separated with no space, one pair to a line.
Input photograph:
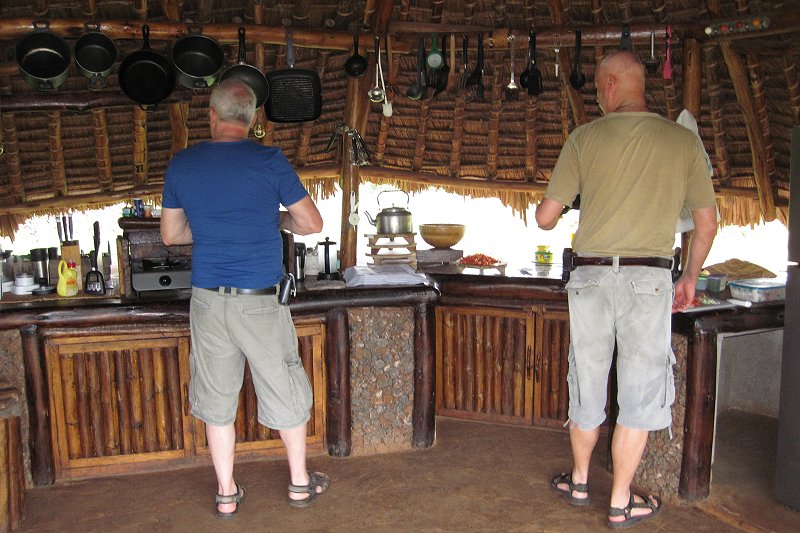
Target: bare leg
[222,444]
[295,441]
[582,443]
[627,447]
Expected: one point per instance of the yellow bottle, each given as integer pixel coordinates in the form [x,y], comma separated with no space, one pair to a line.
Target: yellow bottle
[67,279]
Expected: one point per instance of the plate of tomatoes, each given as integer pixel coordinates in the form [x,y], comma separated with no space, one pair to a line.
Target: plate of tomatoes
[482,262]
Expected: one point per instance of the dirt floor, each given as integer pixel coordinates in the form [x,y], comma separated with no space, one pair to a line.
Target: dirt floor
[478,477]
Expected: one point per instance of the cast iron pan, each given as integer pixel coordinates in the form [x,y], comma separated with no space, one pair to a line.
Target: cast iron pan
[248,74]
[295,94]
[146,76]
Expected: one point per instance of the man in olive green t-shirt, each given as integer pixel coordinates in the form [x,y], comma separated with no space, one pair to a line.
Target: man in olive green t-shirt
[634,171]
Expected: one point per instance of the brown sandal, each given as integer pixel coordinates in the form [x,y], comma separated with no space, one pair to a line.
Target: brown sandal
[650,502]
[315,480]
[232,498]
[566,479]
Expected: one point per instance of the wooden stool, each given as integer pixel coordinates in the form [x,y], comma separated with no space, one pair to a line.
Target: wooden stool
[12,469]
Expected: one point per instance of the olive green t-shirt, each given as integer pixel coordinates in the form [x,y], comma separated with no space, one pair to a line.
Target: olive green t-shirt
[634,172]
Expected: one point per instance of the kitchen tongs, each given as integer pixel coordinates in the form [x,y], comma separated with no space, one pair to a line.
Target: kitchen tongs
[94,282]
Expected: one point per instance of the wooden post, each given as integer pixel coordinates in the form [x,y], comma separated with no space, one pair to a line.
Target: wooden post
[424,413]
[337,342]
[42,470]
[692,77]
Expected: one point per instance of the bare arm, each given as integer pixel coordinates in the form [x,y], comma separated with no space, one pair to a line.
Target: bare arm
[302,217]
[175,227]
[547,213]
[705,229]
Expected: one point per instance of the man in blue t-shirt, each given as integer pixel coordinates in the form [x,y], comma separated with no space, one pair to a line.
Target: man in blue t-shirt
[224,198]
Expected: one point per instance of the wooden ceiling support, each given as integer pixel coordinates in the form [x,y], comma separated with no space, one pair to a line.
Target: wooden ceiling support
[205,11]
[458,135]
[495,107]
[57,169]
[672,107]
[436,180]
[422,130]
[437,9]
[713,90]
[140,166]
[90,9]
[260,62]
[172,9]
[78,101]
[760,107]
[531,138]
[11,150]
[178,122]
[101,151]
[574,96]
[307,128]
[790,72]
[659,9]
[692,77]
[713,7]
[738,76]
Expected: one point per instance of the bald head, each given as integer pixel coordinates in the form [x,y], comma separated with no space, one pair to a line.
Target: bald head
[234,101]
[620,80]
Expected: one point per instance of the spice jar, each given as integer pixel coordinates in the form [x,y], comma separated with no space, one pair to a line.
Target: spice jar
[543,254]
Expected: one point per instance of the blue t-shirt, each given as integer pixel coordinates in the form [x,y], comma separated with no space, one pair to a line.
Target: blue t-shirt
[231,193]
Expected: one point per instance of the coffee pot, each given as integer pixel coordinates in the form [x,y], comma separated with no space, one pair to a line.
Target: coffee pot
[300,261]
[327,260]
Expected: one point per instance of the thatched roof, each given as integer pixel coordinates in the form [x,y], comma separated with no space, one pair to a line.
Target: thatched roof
[75,148]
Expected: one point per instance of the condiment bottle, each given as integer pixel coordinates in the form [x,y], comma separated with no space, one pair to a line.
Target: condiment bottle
[543,254]
[67,279]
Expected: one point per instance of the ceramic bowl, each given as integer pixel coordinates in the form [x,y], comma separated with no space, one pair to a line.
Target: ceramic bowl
[442,235]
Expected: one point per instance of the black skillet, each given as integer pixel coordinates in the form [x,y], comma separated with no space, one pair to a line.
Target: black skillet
[146,76]
[248,74]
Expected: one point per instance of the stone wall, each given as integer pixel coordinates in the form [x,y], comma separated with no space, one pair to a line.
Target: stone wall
[12,373]
[381,379]
[660,470]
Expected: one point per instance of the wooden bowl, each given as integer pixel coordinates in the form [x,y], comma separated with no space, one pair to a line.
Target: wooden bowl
[441,235]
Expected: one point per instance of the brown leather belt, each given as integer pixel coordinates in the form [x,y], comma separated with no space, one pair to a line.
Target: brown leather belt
[658,262]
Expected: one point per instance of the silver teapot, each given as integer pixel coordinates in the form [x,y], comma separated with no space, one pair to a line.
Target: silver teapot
[392,220]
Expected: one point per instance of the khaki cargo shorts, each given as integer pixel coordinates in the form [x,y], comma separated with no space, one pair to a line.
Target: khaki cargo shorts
[226,329]
[631,308]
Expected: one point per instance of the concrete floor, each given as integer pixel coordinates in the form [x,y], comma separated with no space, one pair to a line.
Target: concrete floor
[478,477]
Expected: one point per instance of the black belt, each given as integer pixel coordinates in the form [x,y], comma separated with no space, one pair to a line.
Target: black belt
[658,262]
[235,290]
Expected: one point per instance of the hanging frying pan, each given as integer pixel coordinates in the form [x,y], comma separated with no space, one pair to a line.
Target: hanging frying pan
[95,55]
[198,59]
[248,74]
[295,94]
[146,76]
[43,58]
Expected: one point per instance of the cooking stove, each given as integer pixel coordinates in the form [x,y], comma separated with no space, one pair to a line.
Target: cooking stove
[155,274]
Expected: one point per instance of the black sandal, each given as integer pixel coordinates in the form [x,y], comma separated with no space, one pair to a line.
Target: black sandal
[232,498]
[650,502]
[315,480]
[565,478]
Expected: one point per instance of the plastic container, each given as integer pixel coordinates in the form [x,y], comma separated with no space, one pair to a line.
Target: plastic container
[758,290]
[702,283]
[67,279]
[717,282]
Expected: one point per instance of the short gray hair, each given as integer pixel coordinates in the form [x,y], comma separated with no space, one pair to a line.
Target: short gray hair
[234,101]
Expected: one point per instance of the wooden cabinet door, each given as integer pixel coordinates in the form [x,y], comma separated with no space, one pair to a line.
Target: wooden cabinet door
[484,364]
[551,356]
[253,439]
[117,399]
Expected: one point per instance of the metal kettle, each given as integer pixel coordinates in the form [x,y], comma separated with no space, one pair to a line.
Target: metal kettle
[392,220]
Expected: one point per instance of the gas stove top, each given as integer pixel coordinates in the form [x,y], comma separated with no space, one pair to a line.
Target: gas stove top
[161,273]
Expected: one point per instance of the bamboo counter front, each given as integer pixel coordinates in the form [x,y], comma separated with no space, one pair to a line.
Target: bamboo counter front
[107,378]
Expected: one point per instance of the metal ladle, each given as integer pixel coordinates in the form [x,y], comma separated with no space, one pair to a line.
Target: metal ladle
[356,65]
[512,89]
[377,93]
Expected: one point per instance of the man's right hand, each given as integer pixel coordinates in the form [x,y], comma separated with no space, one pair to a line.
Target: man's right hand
[684,294]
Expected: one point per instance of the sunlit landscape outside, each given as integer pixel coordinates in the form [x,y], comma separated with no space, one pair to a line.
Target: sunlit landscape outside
[491,229]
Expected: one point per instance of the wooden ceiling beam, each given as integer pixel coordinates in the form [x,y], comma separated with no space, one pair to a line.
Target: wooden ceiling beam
[205,11]
[90,9]
[760,106]
[436,180]
[713,90]
[495,107]
[659,9]
[11,149]
[101,150]
[458,134]
[57,170]
[531,138]
[692,77]
[790,73]
[422,130]
[307,128]
[172,9]
[77,101]
[140,166]
[741,87]
[178,125]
